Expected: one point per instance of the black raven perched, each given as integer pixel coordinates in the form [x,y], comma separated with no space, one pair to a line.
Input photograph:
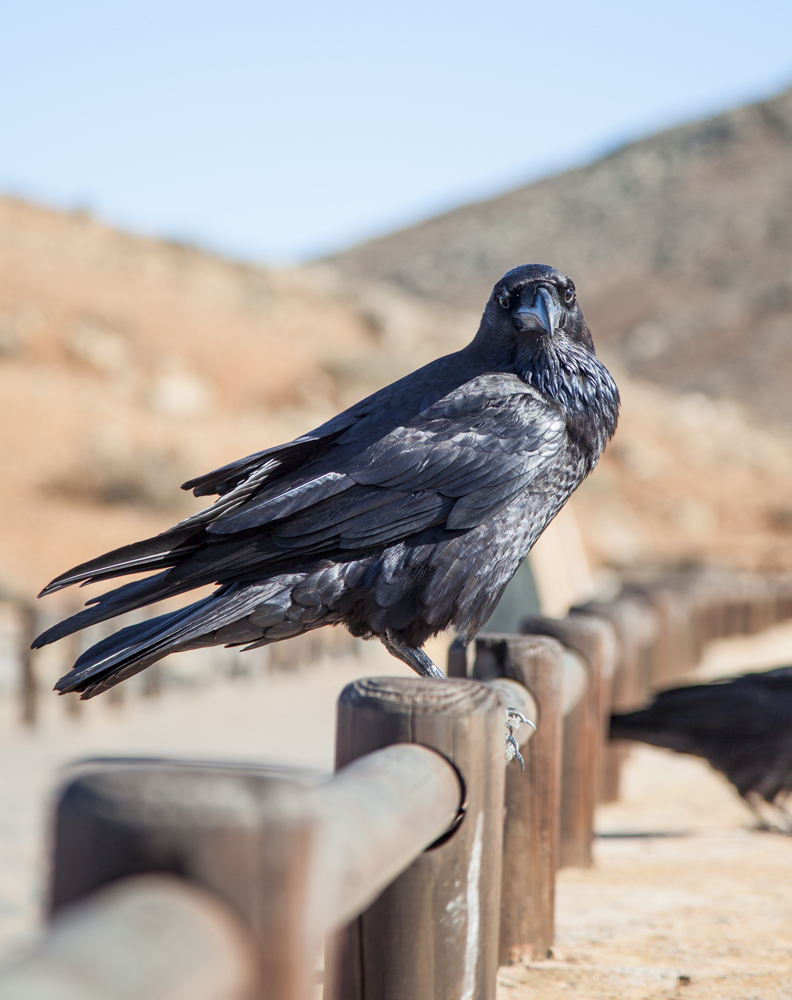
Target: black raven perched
[741,725]
[404,515]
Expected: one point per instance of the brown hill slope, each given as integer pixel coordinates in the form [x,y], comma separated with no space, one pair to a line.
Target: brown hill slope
[128,365]
[681,246]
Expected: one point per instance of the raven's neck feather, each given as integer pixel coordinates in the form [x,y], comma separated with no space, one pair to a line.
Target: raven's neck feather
[582,387]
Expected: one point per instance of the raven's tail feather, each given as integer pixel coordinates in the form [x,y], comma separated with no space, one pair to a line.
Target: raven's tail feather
[136,647]
[160,552]
[129,597]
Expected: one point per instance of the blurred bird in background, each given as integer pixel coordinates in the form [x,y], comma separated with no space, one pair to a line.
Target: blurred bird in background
[742,726]
[404,515]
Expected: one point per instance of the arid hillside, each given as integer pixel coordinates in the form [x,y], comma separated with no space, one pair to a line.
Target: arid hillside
[680,244]
[128,365]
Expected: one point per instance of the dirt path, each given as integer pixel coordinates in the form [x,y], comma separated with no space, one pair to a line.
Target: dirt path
[685,901]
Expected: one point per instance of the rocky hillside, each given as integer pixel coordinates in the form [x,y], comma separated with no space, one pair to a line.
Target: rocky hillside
[680,244]
[128,365]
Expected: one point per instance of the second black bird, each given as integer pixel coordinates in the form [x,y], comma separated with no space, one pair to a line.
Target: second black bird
[741,725]
[403,516]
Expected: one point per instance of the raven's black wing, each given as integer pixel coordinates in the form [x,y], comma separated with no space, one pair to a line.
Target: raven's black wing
[453,462]
[272,469]
[458,461]
[235,483]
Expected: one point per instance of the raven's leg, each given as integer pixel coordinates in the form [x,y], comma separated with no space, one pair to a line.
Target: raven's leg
[786,816]
[412,656]
[417,659]
[752,800]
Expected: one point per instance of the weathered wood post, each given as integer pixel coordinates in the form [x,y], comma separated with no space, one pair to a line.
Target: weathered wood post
[585,729]
[784,598]
[635,625]
[715,608]
[28,683]
[433,933]
[673,651]
[530,833]
[763,613]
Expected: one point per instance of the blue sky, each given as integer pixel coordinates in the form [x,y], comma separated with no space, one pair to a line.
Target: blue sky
[278,132]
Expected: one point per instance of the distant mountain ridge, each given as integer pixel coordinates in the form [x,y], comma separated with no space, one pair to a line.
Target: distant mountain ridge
[680,244]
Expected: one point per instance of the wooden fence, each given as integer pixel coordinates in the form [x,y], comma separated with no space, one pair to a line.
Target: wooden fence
[423,863]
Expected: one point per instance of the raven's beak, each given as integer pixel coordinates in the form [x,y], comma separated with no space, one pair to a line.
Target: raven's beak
[537,311]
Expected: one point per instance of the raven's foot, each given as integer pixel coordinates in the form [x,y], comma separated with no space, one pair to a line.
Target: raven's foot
[413,656]
[785,817]
[422,664]
[514,720]
[771,817]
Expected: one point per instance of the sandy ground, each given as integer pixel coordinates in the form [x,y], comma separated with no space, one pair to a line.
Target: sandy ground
[684,901]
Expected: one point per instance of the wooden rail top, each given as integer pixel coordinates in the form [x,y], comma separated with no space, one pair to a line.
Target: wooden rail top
[364,825]
[151,937]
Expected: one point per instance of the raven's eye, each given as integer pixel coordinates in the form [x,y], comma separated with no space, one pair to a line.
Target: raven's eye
[503,300]
[569,296]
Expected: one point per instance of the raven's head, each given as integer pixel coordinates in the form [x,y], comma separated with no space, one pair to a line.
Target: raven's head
[534,307]
[533,326]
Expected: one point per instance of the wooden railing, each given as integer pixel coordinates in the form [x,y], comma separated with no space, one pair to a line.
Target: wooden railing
[423,863]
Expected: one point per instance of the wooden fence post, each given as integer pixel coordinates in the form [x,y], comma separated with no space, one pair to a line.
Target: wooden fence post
[763,604]
[783,587]
[433,933]
[28,682]
[635,624]
[585,738]
[530,834]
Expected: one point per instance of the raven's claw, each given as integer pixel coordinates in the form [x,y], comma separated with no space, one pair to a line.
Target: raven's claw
[512,713]
[514,720]
[513,752]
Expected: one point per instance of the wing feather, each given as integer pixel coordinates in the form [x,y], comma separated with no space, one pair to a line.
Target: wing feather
[385,469]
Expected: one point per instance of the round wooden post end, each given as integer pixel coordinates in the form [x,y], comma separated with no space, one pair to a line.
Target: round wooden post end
[433,933]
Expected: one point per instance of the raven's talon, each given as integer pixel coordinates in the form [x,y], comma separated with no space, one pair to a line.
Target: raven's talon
[513,721]
[513,752]
[512,713]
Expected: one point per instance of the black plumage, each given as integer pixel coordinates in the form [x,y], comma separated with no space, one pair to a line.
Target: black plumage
[741,725]
[404,515]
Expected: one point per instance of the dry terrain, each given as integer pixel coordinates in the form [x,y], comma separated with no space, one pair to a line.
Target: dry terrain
[685,901]
[128,365]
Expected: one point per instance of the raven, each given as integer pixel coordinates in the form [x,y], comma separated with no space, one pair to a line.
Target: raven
[404,515]
[741,725]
